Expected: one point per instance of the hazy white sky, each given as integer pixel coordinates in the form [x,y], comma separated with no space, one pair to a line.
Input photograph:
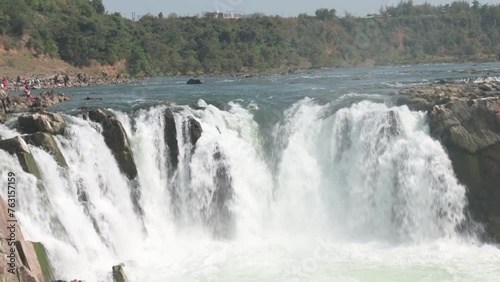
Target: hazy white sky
[272,7]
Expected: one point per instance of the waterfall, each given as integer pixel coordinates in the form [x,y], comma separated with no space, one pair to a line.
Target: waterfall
[364,173]
[367,171]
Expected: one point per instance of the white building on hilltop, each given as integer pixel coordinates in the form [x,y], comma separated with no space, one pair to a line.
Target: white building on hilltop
[227,15]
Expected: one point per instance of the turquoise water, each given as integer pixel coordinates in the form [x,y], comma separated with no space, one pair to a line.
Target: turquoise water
[330,180]
[276,93]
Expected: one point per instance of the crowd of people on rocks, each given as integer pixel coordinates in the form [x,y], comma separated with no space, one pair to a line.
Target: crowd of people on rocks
[57,81]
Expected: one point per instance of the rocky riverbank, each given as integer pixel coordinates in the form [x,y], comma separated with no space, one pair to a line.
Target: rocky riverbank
[466,118]
[18,103]
[65,81]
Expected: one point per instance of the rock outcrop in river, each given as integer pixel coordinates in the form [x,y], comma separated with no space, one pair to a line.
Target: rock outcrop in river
[17,146]
[41,122]
[467,121]
[116,139]
[18,103]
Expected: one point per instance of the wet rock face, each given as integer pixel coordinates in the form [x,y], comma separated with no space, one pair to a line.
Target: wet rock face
[219,216]
[47,142]
[18,147]
[466,119]
[170,135]
[470,130]
[119,274]
[41,122]
[116,139]
[195,130]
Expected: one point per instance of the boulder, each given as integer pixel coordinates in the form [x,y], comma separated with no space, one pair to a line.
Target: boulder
[50,98]
[93,99]
[193,81]
[3,117]
[170,135]
[18,147]
[119,274]
[41,122]
[100,115]
[195,130]
[47,142]
[116,138]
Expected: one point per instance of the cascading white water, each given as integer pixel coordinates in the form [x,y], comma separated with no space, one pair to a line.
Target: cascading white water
[367,181]
[367,171]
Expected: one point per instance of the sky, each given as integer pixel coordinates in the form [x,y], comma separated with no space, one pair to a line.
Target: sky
[284,8]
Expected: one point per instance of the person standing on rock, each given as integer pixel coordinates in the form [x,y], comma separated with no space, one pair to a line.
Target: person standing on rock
[5,83]
[66,80]
[27,91]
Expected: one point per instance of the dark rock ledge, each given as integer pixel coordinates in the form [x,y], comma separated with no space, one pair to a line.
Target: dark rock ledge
[466,119]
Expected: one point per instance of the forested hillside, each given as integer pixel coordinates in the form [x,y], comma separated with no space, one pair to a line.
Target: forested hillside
[79,31]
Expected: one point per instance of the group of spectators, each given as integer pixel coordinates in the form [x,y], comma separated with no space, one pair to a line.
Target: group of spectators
[33,82]
[59,80]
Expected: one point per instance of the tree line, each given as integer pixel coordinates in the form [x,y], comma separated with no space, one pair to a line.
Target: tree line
[79,31]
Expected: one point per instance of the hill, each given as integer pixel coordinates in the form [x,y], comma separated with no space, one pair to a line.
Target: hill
[80,33]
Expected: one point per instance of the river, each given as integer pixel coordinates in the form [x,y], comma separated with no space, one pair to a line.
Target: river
[317,176]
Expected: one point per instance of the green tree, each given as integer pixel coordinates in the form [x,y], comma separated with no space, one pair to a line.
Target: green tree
[326,14]
[137,63]
[98,6]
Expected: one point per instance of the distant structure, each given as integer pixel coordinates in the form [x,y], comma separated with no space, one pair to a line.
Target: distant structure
[226,15]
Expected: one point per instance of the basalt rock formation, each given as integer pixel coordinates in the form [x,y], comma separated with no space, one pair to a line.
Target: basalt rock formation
[17,146]
[116,139]
[47,142]
[41,122]
[170,136]
[467,121]
[195,130]
[192,131]
[20,260]
[18,103]
[219,216]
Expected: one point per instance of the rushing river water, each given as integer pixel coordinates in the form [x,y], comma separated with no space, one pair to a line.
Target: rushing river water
[310,177]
